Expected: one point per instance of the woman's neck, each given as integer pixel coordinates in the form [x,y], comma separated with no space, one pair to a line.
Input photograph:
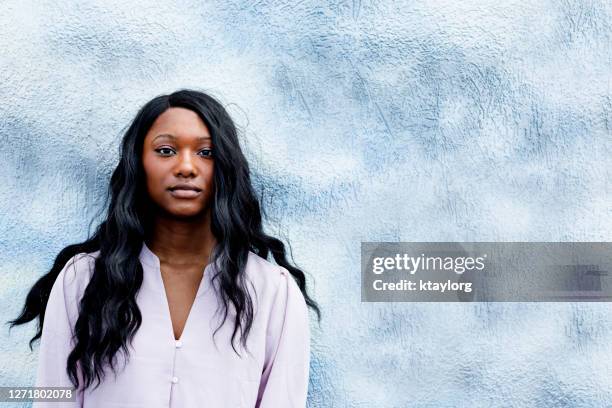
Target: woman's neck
[182,242]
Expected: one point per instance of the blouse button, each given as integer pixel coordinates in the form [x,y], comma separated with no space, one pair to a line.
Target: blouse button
[179,344]
[174,380]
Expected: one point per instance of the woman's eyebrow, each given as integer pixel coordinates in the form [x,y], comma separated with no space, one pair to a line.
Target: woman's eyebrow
[172,137]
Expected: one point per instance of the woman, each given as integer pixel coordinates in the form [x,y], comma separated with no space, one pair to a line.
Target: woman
[174,294]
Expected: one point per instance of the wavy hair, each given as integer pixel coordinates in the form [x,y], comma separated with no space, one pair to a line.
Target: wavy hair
[108,313]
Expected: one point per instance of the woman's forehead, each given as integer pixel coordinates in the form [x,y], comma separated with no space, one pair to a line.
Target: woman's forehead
[177,124]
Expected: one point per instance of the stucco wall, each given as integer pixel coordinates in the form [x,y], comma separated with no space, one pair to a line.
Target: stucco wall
[411,121]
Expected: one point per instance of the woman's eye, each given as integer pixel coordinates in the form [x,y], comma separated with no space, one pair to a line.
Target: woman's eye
[206,152]
[164,151]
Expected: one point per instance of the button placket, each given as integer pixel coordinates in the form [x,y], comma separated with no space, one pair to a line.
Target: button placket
[177,345]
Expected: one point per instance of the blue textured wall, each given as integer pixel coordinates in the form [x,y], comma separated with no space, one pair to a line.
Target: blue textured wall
[416,121]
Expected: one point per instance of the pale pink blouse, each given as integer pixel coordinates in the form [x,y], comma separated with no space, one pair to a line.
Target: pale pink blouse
[196,371]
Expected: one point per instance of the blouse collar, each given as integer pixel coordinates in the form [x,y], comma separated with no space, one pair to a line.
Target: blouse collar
[148,258]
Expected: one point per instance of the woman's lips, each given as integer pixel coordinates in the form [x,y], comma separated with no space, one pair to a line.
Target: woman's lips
[184,193]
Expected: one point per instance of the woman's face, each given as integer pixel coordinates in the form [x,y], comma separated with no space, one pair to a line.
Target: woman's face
[178,163]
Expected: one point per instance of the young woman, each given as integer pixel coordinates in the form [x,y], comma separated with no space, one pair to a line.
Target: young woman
[172,302]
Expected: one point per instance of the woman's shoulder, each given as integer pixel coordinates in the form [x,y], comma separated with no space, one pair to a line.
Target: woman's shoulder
[264,274]
[277,287]
[77,271]
[81,263]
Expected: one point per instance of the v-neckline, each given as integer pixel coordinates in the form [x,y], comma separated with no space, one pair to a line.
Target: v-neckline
[148,257]
[189,313]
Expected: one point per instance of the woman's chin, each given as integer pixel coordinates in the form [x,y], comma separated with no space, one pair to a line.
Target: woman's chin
[186,213]
[182,211]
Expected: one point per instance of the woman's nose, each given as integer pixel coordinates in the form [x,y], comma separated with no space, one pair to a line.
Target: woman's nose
[185,165]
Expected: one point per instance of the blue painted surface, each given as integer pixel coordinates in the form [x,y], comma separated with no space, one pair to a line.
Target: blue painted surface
[415,121]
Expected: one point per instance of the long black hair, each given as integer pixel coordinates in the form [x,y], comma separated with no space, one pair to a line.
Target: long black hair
[236,223]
